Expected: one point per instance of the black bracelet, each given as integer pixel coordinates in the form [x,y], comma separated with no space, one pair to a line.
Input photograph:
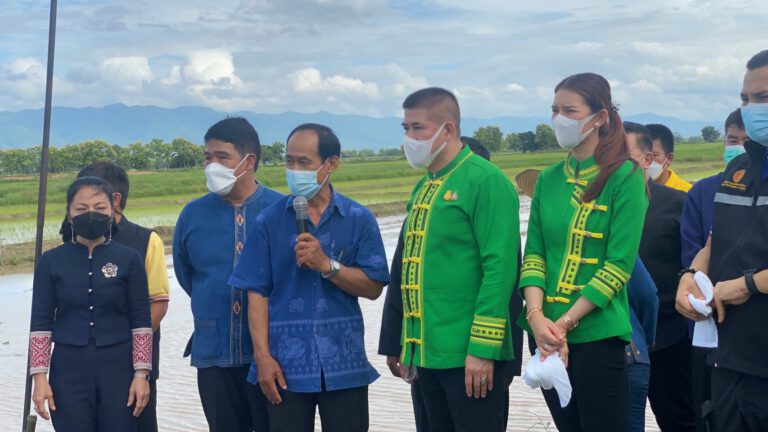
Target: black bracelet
[684,271]
[749,278]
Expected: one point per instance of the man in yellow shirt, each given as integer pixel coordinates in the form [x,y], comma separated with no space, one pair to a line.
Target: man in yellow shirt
[663,155]
[151,248]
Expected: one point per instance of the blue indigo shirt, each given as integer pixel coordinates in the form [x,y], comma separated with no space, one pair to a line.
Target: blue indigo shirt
[643,313]
[207,242]
[316,330]
[696,220]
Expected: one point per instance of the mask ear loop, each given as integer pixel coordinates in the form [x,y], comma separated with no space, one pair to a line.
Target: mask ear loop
[72,232]
[109,235]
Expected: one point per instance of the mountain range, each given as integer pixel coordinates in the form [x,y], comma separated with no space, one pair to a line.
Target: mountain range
[122,125]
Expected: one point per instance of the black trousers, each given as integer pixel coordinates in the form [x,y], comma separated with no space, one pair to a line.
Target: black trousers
[740,401]
[701,383]
[598,374]
[670,391]
[228,404]
[90,386]
[449,409]
[340,411]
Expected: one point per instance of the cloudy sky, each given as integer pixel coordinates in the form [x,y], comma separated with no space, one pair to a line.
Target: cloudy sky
[683,58]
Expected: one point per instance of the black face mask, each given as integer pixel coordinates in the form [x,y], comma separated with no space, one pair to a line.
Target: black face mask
[91,225]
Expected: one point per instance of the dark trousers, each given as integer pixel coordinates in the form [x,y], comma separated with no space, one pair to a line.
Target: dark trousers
[639,376]
[90,386]
[598,374]
[340,411]
[148,418]
[227,401]
[740,401]
[419,408]
[449,409]
[701,383]
[670,392]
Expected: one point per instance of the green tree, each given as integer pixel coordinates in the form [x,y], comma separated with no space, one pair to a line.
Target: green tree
[545,137]
[512,142]
[490,137]
[366,154]
[710,134]
[138,156]
[528,142]
[679,138]
[185,154]
[159,153]
[273,154]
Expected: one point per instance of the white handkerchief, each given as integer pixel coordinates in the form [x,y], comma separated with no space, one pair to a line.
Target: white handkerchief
[548,374]
[704,332]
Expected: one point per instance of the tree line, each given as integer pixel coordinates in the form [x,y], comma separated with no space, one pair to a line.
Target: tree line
[543,139]
[180,153]
[155,155]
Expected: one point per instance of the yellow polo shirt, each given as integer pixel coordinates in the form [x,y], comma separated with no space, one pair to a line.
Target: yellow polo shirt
[675,182]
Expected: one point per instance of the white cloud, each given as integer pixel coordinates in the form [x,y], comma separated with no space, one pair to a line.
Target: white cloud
[211,67]
[513,88]
[127,74]
[174,76]
[310,80]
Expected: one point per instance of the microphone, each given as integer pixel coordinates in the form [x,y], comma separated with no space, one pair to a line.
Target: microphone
[300,207]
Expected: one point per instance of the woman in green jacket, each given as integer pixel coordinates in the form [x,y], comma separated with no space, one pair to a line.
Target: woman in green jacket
[584,231]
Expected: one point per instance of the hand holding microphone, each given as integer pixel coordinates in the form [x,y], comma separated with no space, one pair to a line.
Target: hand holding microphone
[309,252]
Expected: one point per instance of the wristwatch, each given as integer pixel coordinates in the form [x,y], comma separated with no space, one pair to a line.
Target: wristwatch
[335,267]
[749,278]
[141,375]
[570,324]
[684,271]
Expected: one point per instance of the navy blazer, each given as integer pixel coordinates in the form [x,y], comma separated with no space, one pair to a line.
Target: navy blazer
[80,298]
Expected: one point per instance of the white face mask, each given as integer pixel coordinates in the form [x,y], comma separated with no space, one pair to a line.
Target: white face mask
[654,171]
[419,152]
[220,179]
[568,131]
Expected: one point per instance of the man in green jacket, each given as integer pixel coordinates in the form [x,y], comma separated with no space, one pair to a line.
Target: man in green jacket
[459,269]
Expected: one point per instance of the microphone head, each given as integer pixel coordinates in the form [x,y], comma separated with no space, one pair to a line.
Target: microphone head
[300,207]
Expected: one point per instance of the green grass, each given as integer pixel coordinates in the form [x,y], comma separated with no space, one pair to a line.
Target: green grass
[157,196]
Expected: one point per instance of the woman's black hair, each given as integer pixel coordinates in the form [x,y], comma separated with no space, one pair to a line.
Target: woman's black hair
[73,189]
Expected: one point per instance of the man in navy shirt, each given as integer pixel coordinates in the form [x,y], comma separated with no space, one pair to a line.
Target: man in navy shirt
[303,290]
[695,225]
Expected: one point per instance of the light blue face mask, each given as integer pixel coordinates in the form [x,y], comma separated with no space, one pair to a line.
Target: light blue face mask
[755,116]
[304,183]
[731,151]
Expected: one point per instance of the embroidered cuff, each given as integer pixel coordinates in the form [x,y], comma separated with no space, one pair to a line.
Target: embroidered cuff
[39,352]
[606,282]
[142,348]
[533,271]
[486,338]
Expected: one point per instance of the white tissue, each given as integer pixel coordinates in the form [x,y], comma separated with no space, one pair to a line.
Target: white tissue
[548,374]
[704,332]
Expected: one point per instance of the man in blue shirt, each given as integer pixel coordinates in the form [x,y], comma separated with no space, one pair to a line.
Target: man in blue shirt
[696,221]
[303,289]
[695,226]
[207,243]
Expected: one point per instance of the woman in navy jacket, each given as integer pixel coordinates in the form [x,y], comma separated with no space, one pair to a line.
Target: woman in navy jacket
[90,298]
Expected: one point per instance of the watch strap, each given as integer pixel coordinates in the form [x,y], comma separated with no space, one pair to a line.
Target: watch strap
[749,278]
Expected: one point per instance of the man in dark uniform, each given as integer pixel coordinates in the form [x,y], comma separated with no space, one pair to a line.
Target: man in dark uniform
[392,321]
[150,247]
[736,260]
[669,389]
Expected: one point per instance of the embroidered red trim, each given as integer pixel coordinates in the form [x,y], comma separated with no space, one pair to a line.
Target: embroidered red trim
[142,348]
[39,352]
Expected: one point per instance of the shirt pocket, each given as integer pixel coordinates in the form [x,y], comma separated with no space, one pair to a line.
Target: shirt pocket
[345,255]
[205,343]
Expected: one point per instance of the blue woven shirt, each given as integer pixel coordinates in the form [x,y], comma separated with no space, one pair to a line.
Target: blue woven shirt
[316,330]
